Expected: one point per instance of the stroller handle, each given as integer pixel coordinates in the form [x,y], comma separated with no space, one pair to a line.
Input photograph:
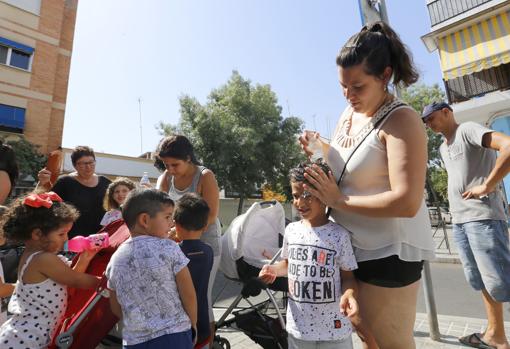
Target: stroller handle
[267,203]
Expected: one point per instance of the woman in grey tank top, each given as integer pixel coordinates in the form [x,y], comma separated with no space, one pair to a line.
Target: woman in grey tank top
[184,175]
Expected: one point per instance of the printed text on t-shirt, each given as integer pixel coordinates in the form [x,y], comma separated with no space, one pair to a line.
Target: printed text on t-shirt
[310,274]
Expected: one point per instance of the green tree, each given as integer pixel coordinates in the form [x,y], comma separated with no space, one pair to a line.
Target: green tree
[28,157]
[418,96]
[241,135]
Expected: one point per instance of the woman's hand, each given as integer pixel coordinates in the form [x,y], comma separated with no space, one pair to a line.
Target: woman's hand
[44,176]
[305,138]
[324,186]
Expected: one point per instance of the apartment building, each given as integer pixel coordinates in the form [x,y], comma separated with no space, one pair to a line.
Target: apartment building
[36,40]
[472,39]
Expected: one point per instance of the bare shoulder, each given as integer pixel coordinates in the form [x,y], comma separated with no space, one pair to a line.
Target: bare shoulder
[47,258]
[207,176]
[403,123]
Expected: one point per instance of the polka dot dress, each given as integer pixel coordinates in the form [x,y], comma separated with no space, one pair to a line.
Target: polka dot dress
[37,310]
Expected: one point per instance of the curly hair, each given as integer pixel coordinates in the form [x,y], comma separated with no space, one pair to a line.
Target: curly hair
[20,220]
[297,174]
[109,203]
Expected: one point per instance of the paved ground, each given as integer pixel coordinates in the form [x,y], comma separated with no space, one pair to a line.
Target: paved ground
[450,328]
[446,278]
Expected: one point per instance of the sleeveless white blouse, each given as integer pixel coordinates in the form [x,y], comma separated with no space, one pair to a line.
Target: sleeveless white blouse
[367,174]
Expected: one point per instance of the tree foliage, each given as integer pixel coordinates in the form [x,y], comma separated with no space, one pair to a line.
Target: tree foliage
[28,157]
[241,135]
[418,96]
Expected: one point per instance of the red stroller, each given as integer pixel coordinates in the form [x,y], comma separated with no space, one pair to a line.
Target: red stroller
[88,317]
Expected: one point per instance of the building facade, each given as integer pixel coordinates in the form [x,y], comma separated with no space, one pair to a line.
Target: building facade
[472,38]
[36,40]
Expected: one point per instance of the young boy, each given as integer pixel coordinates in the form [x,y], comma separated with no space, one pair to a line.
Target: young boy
[318,260]
[190,218]
[151,287]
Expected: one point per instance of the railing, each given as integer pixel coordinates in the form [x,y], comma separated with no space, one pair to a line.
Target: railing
[477,84]
[442,10]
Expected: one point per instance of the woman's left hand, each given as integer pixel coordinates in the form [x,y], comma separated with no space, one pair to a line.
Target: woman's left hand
[324,186]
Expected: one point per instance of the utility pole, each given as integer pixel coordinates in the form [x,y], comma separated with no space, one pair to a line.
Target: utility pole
[140,120]
[373,11]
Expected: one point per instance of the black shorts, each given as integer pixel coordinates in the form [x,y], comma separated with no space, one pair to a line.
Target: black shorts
[389,272]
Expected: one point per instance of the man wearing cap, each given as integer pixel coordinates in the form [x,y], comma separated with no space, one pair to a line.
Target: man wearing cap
[478,213]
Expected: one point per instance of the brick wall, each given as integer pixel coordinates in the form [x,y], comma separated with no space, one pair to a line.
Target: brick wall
[47,92]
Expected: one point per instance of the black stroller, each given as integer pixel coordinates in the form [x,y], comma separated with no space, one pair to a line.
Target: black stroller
[251,241]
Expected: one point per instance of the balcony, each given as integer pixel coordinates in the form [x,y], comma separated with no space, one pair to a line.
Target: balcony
[477,84]
[442,10]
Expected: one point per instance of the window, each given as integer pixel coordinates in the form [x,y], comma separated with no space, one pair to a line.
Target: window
[12,118]
[15,54]
[20,59]
[3,54]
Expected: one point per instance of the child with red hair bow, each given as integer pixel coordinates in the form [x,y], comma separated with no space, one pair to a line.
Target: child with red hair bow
[41,222]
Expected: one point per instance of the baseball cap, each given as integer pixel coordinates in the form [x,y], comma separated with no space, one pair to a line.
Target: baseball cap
[433,107]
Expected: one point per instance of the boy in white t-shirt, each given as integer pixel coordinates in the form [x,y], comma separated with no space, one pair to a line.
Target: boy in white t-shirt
[318,261]
[151,286]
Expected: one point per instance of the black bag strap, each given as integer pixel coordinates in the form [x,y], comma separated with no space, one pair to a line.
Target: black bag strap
[380,118]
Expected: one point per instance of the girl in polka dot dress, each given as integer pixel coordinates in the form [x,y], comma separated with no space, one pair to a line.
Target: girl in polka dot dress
[42,222]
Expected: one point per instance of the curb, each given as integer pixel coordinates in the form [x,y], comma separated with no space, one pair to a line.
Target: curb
[446,258]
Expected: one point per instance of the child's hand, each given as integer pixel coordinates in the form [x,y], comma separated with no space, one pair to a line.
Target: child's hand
[89,254]
[267,274]
[194,334]
[349,306]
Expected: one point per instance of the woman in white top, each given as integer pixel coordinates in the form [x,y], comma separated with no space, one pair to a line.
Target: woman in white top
[380,195]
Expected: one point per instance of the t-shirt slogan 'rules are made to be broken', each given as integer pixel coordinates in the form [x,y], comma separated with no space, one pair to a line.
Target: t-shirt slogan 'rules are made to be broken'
[315,256]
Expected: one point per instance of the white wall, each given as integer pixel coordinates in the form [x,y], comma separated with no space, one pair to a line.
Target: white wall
[117,165]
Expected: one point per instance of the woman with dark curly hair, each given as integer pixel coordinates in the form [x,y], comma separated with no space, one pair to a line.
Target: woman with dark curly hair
[8,171]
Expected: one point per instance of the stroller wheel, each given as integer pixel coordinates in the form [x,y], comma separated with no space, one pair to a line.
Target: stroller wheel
[220,343]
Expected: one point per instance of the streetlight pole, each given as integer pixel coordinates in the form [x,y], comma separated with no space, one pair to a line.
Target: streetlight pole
[373,11]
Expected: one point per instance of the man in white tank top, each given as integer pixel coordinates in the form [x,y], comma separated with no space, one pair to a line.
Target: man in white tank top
[477,205]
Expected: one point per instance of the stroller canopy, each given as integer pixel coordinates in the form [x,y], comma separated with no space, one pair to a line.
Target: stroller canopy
[253,236]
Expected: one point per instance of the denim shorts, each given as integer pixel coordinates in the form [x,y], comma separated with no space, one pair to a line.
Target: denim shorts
[484,251]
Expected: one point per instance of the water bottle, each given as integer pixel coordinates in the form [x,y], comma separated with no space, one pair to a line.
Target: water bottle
[145,182]
[315,147]
[82,243]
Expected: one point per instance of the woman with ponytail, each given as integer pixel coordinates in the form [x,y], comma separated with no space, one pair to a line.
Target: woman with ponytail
[378,157]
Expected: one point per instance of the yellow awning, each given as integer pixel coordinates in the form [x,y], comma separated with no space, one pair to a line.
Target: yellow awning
[480,46]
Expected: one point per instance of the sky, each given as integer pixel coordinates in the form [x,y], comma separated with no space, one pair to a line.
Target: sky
[159,50]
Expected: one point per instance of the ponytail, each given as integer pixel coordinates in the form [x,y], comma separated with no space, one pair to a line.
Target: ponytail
[378,47]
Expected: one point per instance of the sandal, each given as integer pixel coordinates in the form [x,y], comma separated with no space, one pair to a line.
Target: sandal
[475,340]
